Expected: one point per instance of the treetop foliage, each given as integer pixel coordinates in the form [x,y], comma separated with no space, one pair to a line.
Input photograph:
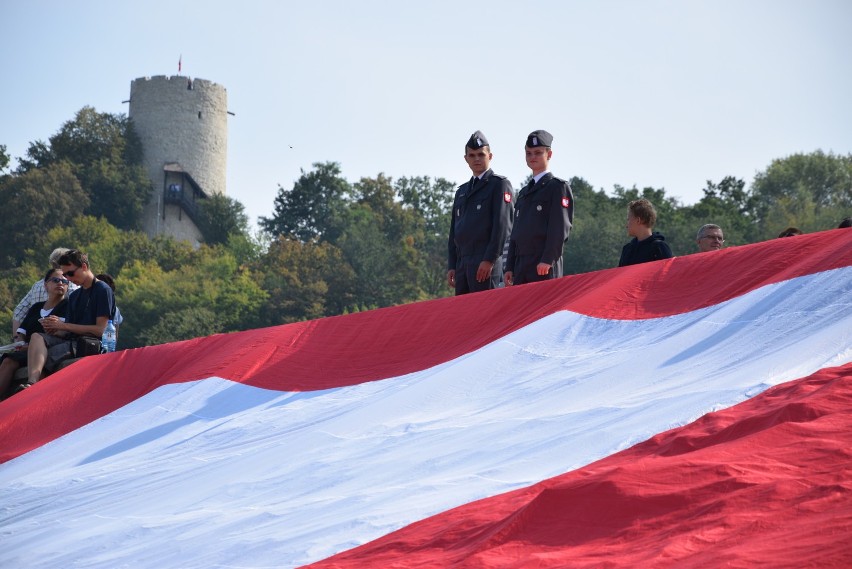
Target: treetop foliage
[329,246]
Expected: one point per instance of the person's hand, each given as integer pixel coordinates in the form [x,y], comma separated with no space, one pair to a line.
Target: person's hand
[52,324]
[451,278]
[542,269]
[507,278]
[483,272]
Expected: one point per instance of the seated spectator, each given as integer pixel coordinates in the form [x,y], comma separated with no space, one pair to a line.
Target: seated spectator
[790,232]
[57,288]
[646,245]
[846,222]
[89,309]
[37,292]
[710,238]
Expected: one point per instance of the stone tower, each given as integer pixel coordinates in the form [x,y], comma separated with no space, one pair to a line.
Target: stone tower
[183,126]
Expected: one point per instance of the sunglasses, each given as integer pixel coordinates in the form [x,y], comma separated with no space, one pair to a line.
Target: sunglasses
[58,280]
[70,274]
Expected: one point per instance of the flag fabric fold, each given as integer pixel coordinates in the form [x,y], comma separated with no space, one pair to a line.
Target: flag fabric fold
[766,483]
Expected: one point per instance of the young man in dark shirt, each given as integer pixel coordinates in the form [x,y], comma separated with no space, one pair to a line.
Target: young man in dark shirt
[89,310]
[647,244]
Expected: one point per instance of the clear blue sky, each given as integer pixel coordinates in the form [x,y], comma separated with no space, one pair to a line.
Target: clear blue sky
[658,93]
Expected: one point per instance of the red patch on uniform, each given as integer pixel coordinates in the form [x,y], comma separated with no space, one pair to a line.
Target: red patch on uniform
[507,197]
[566,202]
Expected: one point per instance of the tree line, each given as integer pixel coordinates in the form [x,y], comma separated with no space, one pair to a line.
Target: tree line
[329,246]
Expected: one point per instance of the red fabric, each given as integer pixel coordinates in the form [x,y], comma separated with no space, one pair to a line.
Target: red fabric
[346,350]
[766,483]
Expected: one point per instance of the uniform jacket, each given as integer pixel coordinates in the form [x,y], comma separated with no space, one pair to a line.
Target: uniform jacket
[481,219]
[544,215]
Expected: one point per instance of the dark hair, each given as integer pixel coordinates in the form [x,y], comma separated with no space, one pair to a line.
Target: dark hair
[847,222]
[790,232]
[644,211]
[107,278]
[50,271]
[74,257]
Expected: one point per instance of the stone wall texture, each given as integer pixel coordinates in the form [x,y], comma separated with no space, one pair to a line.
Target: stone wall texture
[185,121]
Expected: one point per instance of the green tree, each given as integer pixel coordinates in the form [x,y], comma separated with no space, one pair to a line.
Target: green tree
[248,248]
[598,234]
[90,136]
[730,206]
[150,296]
[35,202]
[220,217]
[303,281]
[14,284]
[185,324]
[378,242]
[111,249]
[312,208]
[118,192]
[429,203]
[4,158]
[810,191]
[106,157]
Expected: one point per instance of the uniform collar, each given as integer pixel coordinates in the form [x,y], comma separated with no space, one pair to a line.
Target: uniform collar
[484,176]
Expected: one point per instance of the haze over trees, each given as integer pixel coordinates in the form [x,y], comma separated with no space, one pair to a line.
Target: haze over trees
[329,245]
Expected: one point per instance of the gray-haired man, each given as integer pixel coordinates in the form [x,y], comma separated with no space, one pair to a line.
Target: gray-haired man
[710,238]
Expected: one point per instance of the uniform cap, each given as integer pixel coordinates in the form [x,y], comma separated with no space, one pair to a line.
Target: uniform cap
[539,138]
[477,140]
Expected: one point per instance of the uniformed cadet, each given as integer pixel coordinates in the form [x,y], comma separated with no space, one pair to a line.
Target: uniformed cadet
[544,215]
[481,222]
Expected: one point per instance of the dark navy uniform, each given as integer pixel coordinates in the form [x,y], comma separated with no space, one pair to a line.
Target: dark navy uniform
[481,222]
[544,215]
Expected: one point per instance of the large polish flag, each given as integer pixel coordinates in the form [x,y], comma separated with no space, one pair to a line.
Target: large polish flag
[692,412]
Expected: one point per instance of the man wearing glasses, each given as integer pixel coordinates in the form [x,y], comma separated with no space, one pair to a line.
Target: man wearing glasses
[710,238]
[89,310]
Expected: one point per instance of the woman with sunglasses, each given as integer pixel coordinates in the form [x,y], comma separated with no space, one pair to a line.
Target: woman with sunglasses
[89,309]
[56,286]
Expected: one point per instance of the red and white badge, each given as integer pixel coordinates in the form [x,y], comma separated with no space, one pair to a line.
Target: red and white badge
[566,202]
[507,197]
